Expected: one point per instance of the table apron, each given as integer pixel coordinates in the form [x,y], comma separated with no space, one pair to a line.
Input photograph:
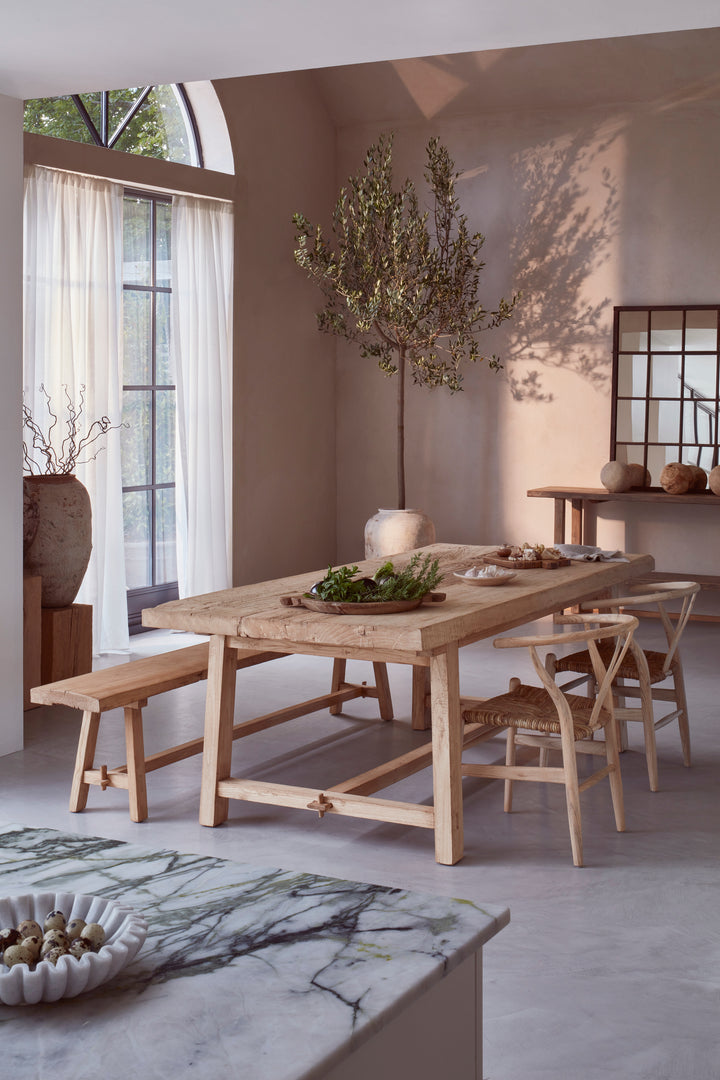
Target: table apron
[338,652]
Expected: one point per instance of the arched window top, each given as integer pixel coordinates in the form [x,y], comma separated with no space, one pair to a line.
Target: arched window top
[152,121]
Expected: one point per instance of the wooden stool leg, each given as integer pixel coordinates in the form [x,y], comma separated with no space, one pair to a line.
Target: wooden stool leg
[338,678]
[383,689]
[135,751]
[681,702]
[420,696]
[84,760]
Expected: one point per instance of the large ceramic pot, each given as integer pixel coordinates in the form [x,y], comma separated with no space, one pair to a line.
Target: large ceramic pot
[61,549]
[30,516]
[390,532]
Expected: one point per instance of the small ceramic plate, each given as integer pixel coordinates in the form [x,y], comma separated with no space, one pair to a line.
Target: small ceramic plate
[501,578]
[124,935]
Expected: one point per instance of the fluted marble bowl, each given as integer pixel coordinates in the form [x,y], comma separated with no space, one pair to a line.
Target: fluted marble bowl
[125,933]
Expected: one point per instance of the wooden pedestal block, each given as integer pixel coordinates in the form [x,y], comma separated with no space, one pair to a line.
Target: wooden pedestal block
[66,642]
[32,588]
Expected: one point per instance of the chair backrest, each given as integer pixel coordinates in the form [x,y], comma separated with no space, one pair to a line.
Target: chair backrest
[663,593]
[595,628]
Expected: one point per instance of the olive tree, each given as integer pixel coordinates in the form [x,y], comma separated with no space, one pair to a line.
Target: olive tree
[402,283]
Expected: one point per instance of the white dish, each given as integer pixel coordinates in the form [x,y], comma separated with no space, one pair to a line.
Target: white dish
[125,933]
[500,578]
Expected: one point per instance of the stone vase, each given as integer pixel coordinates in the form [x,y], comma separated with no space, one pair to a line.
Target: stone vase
[60,551]
[391,532]
[30,516]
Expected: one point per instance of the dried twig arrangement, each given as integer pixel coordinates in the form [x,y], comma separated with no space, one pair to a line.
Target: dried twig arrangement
[41,457]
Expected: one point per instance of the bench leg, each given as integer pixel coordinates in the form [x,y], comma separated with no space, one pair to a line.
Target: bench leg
[420,698]
[135,751]
[84,760]
[338,678]
[382,684]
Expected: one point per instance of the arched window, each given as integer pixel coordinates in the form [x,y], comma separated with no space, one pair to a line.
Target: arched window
[156,122]
[152,121]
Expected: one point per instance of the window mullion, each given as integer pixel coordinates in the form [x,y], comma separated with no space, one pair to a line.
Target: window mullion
[129,116]
[87,119]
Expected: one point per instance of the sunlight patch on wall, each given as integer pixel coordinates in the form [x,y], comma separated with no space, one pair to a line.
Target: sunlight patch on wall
[430,86]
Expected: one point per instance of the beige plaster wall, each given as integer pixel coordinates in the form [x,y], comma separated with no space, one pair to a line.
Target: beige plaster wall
[283,144]
[582,209]
[11,705]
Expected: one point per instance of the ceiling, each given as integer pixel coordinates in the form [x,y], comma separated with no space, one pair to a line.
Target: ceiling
[48,47]
[660,70]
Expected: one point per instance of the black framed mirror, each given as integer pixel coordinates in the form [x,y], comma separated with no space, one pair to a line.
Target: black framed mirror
[666,388]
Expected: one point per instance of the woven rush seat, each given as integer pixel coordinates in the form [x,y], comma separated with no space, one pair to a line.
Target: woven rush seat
[582,662]
[532,707]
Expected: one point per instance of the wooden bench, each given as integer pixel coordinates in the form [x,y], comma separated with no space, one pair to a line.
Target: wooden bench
[128,686]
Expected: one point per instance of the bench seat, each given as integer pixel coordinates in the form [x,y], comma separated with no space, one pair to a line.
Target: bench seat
[128,686]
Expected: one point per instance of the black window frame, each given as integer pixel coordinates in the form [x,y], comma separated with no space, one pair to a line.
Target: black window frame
[107,138]
[156,593]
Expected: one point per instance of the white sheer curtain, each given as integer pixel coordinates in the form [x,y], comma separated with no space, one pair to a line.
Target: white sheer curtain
[72,338]
[202,246]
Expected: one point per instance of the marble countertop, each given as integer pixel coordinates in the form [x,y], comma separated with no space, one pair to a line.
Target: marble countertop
[247,971]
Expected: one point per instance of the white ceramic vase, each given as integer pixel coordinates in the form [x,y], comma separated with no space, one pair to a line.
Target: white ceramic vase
[391,532]
[61,549]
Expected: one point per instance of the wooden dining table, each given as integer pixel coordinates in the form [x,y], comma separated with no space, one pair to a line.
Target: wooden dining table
[428,638]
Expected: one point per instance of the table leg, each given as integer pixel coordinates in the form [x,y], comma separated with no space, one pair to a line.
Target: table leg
[219,715]
[559,524]
[576,521]
[447,756]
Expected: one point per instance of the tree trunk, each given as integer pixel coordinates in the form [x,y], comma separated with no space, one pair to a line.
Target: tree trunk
[401,431]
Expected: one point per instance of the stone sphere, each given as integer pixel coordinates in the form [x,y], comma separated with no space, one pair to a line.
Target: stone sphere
[700,478]
[639,475]
[616,476]
[714,480]
[676,479]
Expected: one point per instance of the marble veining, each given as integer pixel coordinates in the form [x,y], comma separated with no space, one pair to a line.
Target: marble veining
[247,971]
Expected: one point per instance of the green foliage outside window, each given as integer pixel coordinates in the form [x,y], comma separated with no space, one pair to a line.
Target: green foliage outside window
[157,130]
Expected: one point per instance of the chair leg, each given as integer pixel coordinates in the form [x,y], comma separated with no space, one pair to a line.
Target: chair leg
[135,750]
[84,760]
[572,797]
[382,684]
[648,720]
[612,752]
[338,678]
[620,702]
[509,760]
[681,702]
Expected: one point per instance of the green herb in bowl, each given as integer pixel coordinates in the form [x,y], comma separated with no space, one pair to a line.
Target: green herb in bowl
[419,577]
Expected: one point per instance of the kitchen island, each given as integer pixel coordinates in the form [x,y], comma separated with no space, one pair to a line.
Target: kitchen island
[252,973]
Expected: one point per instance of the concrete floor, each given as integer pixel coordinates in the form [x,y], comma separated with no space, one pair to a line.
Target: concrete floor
[609,971]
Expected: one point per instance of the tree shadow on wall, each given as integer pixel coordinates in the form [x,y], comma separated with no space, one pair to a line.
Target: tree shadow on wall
[568,210]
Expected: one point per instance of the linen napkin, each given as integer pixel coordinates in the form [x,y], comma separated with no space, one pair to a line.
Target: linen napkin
[587,553]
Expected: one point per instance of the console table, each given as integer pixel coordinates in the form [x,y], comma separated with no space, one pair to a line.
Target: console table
[581,532]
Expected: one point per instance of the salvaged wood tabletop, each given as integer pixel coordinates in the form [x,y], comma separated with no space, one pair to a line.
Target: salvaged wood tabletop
[255,612]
